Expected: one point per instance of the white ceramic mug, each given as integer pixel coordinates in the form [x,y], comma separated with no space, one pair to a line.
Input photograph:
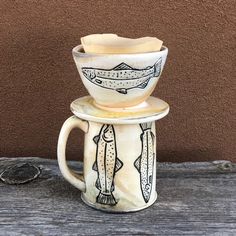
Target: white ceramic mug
[119,172]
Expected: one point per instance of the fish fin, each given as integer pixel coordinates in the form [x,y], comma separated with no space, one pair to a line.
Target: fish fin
[112,187]
[153,136]
[137,163]
[143,85]
[145,126]
[96,139]
[122,90]
[119,164]
[150,179]
[122,66]
[141,136]
[95,167]
[98,184]
[98,81]
[106,199]
[157,67]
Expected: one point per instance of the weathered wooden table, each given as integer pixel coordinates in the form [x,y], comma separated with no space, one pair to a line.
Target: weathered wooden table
[194,199]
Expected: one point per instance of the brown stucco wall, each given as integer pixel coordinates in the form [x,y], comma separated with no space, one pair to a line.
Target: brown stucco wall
[38,78]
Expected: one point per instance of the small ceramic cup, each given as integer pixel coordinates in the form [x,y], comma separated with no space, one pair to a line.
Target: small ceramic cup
[119,164]
[119,80]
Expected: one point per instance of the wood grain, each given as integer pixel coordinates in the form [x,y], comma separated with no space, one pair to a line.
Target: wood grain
[194,199]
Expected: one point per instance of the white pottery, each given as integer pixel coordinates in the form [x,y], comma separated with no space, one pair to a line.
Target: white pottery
[119,154]
[119,80]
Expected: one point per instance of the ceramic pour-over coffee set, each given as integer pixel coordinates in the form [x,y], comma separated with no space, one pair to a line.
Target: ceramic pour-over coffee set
[118,119]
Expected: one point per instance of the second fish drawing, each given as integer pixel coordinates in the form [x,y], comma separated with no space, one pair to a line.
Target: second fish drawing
[145,162]
[106,164]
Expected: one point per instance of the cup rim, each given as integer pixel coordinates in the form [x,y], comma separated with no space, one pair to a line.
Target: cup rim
[76,52]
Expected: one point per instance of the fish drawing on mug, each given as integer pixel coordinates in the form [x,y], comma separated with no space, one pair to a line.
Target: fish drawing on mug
[106,164]
[123,77]
[145,162]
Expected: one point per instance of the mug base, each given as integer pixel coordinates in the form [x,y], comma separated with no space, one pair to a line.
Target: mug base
[112,210]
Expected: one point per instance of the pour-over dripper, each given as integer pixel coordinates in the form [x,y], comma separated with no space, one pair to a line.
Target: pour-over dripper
[119,80]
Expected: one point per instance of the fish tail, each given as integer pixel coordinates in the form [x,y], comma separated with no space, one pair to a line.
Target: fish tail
[107,199]
[145,126]
[157,67]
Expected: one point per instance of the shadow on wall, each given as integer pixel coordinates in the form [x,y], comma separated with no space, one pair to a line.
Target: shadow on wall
[189,155]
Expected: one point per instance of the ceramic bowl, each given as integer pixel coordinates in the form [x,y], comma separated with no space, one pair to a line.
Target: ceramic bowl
[119,80]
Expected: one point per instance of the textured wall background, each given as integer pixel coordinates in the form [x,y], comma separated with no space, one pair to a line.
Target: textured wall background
[39,80]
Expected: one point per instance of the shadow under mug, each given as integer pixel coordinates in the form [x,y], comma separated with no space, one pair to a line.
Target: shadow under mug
[119,170]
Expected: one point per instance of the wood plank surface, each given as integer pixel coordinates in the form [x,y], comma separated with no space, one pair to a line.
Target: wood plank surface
[194,199]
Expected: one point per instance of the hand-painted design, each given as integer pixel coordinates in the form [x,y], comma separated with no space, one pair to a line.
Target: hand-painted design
[145,162]
[106,164]
[122,77]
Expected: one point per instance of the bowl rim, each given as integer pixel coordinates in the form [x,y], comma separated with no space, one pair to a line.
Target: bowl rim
[76,52]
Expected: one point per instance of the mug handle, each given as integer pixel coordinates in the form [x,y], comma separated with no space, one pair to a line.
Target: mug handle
[71,123]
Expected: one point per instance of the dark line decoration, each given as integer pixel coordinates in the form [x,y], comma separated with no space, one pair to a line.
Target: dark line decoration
[106,164]
[145,162]
[122,77]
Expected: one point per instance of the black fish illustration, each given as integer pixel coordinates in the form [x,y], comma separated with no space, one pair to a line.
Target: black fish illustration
[145,161]
[122,77]
[106,164]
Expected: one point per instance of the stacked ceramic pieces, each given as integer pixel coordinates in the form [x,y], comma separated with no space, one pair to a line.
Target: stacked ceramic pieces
[119,121]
